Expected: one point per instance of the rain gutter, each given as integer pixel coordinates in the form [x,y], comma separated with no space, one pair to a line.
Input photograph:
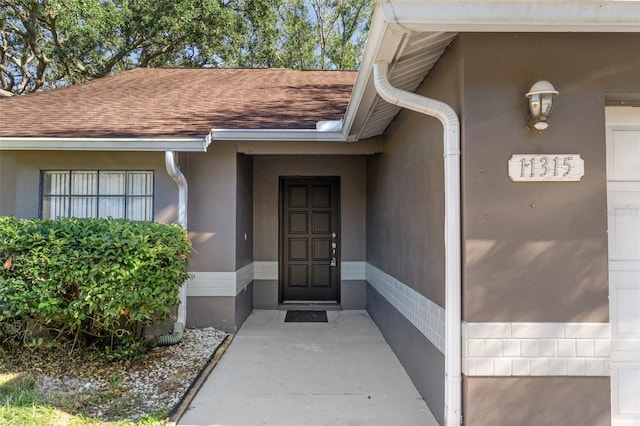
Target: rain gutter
[280,135]
[453,295]
[102,144]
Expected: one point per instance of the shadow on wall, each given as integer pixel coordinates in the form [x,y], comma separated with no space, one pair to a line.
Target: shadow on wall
[536,251]
[561,281]
[167,214]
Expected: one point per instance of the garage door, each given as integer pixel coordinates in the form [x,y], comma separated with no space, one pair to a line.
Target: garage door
[623,188]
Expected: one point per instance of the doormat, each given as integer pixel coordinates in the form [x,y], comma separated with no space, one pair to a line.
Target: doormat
[306,316]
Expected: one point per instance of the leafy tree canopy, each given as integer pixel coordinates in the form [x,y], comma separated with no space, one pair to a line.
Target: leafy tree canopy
[49,43]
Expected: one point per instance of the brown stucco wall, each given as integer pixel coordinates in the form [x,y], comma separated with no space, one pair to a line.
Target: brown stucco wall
[538,251]
[536,401]
[23,169]
[405,225]
[244,211]
[405,189]
[421,360]
[212,208]
[7,184]
[532,252]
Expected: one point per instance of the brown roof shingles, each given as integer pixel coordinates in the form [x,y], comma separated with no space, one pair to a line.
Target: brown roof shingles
[161,102]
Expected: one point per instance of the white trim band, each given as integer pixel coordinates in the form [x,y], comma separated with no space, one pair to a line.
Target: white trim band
[535,349]
[265,270]
[424,314]
[220,283]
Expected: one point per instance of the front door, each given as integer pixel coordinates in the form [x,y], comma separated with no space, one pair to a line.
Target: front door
[623,189]
[309,239]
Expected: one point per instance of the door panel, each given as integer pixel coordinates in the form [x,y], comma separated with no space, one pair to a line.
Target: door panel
[623,214]
[309,239]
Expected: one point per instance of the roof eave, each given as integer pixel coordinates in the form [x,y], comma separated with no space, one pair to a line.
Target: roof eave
[102,144]
[514,15]
[394,20]
[280,135]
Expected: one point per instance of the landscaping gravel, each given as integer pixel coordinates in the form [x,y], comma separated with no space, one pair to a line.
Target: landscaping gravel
[122,390]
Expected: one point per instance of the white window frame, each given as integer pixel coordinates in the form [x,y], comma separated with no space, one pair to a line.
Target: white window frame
[95,196]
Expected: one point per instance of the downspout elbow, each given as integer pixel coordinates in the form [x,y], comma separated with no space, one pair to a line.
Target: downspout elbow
[453,290]
[421,104]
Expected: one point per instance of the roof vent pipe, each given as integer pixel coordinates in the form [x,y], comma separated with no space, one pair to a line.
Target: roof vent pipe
[174,172]
[451,124]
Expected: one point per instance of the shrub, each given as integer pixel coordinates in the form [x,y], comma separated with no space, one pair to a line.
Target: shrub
[89,282]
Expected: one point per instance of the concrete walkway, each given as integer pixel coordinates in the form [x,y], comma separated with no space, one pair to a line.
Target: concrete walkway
[302,374]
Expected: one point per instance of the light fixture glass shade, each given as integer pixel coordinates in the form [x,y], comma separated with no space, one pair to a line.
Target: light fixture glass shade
[540,104]
[535,107]
[547,102]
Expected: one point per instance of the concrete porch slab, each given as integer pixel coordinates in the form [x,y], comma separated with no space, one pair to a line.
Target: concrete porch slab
[307,374]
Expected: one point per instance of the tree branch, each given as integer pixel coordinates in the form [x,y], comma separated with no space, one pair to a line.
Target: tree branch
[148,57]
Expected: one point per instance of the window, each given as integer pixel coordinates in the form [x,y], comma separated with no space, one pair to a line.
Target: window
[103,194]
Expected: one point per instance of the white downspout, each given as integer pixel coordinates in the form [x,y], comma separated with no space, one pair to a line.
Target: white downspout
[453,322]
[174,172]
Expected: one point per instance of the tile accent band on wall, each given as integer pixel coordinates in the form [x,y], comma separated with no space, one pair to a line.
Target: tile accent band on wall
[425,315]
[535,349]
[265,270]
[349,270]
[232,283]
[220,283]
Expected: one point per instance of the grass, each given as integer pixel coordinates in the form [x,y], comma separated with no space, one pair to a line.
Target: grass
[22,405]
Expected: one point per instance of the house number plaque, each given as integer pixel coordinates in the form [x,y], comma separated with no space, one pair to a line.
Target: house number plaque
[546,167]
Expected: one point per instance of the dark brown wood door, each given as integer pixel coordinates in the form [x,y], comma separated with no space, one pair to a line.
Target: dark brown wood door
[310,240]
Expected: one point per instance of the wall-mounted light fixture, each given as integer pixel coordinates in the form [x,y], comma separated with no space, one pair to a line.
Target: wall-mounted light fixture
[540,102]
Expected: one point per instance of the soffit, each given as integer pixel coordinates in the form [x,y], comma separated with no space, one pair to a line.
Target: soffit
[411,35]
[419,53]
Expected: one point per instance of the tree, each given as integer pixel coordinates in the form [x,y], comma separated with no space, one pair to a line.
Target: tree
[48,43]
[45,43]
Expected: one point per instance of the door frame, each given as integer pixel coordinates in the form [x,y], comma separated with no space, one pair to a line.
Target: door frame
[281,248]
[625,344]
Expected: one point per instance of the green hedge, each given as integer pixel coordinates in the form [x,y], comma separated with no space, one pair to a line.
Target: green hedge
[88,282]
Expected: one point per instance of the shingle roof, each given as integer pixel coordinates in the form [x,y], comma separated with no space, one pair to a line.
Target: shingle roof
[163,102]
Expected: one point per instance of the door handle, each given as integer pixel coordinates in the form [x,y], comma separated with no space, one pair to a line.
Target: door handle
[333,262]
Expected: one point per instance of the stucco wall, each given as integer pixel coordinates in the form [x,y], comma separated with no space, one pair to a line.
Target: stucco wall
[268,169]
[23,168]
[212,208]
[405,225]
[509,401]
[538,251]
[7,184]
[244,209]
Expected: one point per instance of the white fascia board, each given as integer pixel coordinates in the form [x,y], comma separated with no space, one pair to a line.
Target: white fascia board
[103,144]
[383,43]
[515,15]
[267,135]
